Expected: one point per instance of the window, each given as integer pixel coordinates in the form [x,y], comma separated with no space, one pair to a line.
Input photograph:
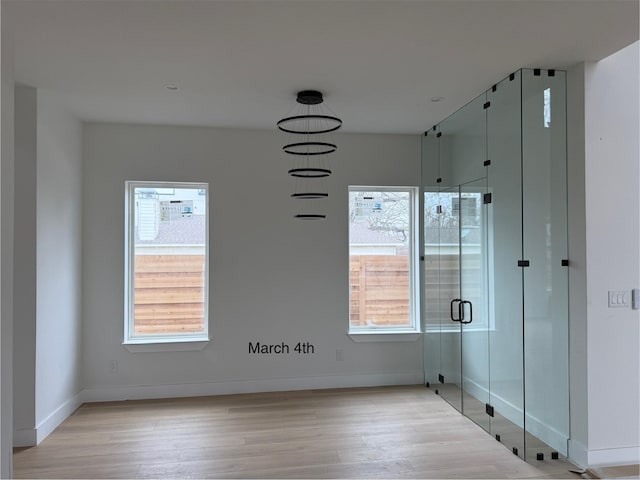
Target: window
[547,107]
[383,274]
[166,262]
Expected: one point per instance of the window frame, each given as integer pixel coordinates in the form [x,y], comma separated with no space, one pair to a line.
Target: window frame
[130,338]
[414,326]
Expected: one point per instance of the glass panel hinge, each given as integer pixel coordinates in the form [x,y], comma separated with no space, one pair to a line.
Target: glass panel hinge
[489,409]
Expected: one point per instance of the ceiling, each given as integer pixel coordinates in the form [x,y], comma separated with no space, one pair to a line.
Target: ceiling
[239,63]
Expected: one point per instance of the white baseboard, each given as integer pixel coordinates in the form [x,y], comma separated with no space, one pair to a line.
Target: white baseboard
[24,437]
[511,412]
[581,456]
[139,392]
[614,456]
[49,424]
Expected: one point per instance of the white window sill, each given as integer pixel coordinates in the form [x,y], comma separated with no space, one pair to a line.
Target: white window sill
[165,345]
[359,336]
[456,329]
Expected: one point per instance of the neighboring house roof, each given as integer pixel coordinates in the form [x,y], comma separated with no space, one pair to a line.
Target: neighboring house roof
[361,233]
[180,231]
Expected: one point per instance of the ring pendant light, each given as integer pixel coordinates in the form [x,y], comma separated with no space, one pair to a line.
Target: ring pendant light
[310,148]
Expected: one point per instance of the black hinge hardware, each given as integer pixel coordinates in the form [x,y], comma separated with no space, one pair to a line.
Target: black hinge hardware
[427,385]
[422,258]
[514,450]
[486,105]
[438,180]
[494,88]
[486,198]
[497,437]
[441,378]
[438,208]
[434,128]
[554,456]
[551,72]
[487,163]
[565,263]
[536,72]
[437,393]
[539,456]
[489,409]
[523,263]
[512,77]
[439,134]
[426,133]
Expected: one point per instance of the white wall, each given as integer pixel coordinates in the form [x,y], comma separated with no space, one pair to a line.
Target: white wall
[6,245]
[59,271]
[612,186]
[24,275]
[273,279]
[47,256]
[604,239]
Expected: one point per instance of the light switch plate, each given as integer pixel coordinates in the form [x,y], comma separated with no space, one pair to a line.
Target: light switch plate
[618,299]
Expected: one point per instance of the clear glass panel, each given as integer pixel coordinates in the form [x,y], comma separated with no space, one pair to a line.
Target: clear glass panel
[431,275]
[430,159]
[169,235]
[504,249]
[380,260]
[431,260]
[475,324]
[545,246]
[462,152]
[462,145]
[450,386]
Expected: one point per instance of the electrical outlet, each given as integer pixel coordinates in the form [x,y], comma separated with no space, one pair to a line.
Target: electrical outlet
[618,299]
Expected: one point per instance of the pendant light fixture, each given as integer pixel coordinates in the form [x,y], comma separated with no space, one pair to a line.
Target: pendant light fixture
[310,144]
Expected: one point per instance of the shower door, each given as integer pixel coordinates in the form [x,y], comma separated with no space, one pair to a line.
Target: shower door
[449,376]
[457,268]
[473,303]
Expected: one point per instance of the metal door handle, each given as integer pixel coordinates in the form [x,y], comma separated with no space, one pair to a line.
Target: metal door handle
[460,311]
[461,306]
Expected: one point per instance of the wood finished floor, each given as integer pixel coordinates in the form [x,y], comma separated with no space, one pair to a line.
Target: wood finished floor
[390,432]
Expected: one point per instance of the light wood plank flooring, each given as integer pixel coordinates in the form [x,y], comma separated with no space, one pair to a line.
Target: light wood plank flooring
[391,432]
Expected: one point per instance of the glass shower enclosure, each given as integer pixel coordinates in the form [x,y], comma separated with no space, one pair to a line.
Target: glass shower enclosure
[495,279]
